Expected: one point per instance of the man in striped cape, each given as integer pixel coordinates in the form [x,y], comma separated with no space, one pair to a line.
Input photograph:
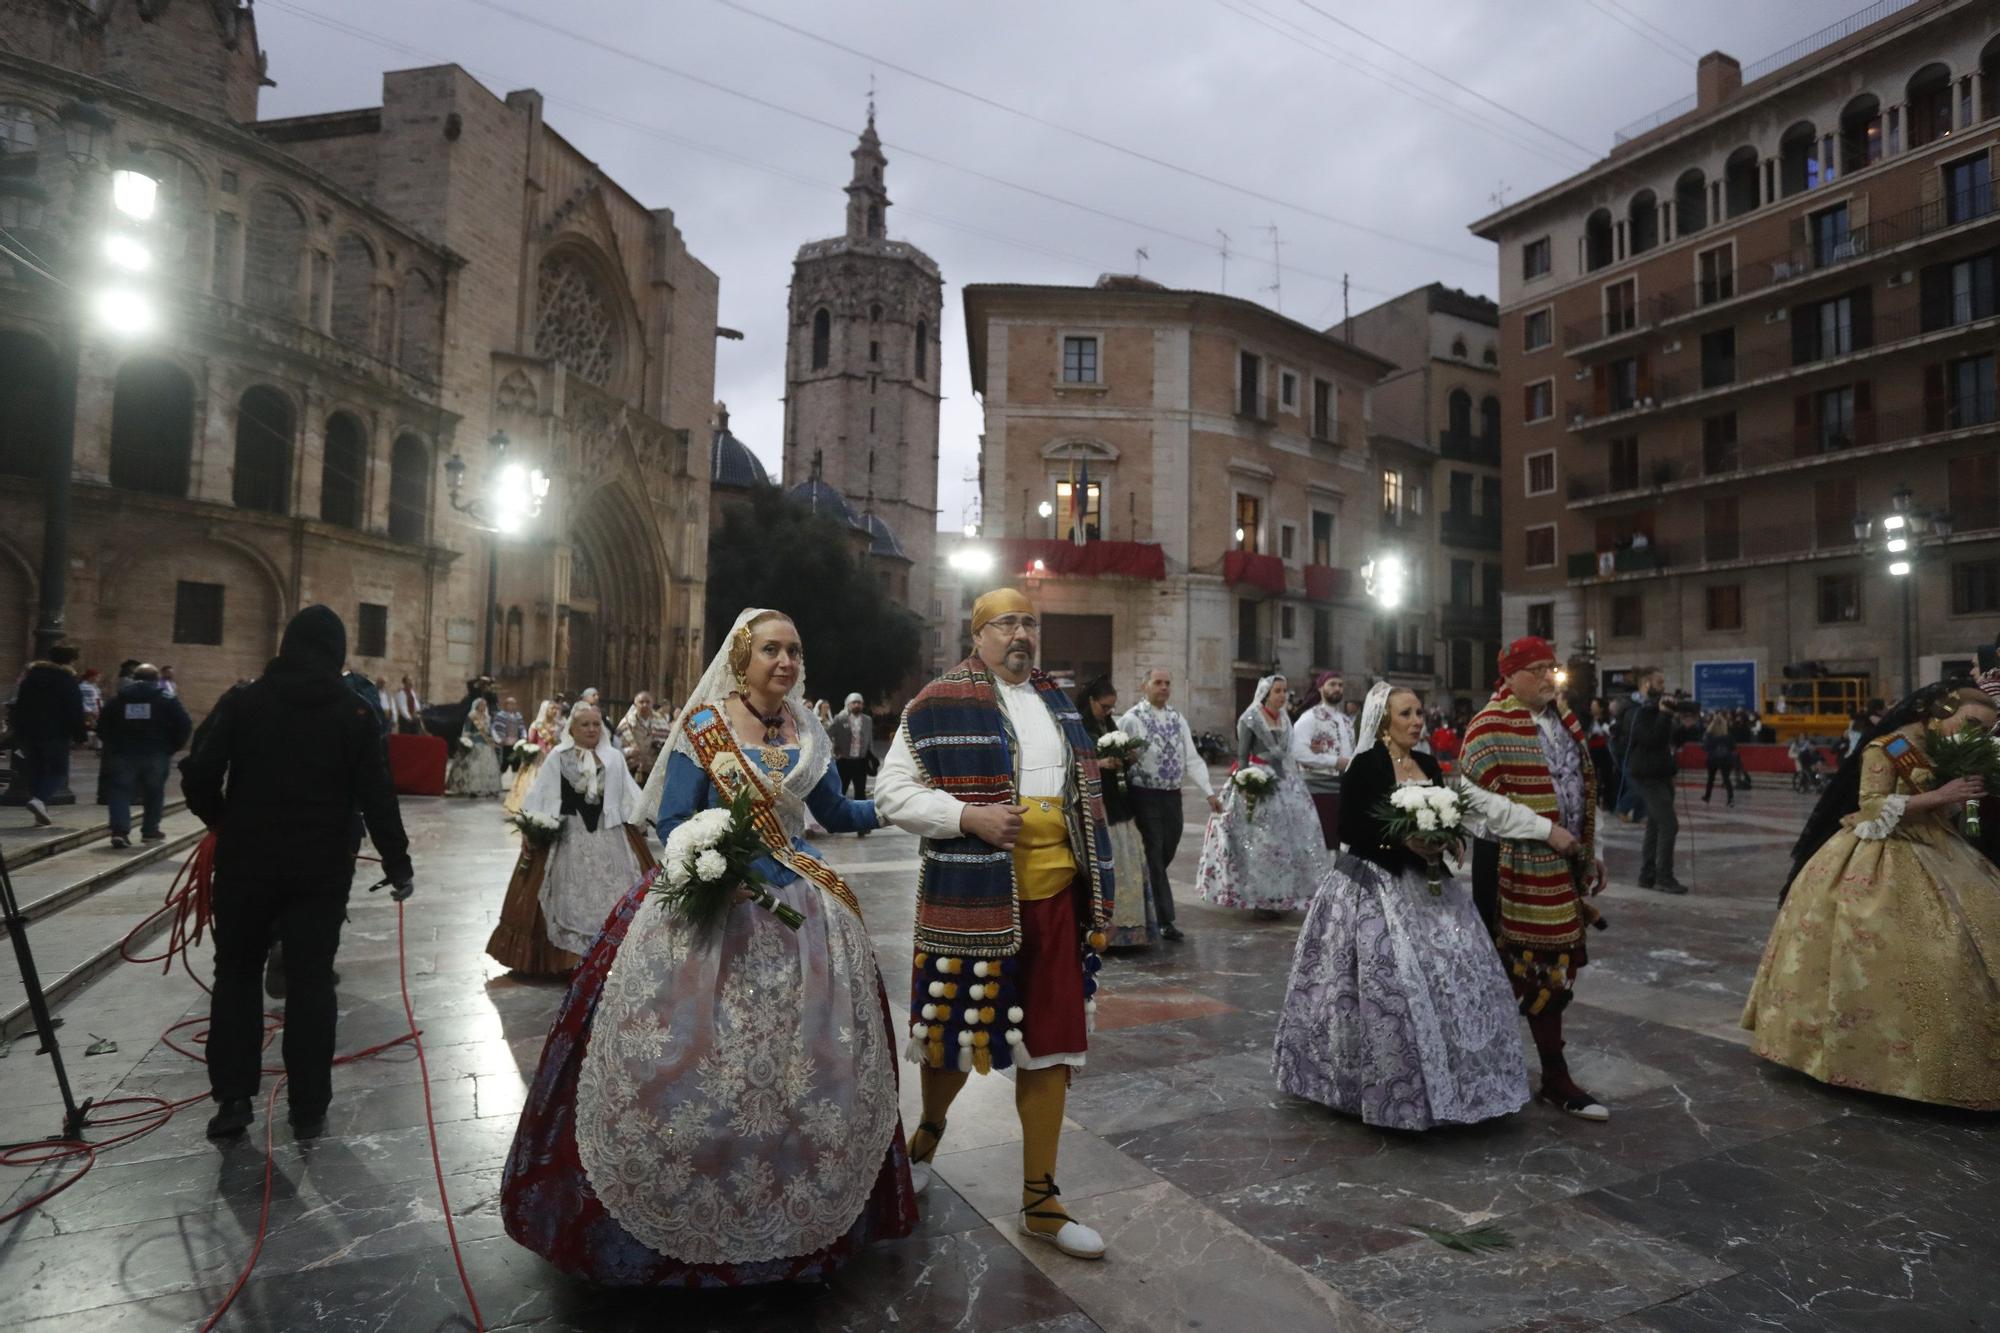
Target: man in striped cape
[1527,747]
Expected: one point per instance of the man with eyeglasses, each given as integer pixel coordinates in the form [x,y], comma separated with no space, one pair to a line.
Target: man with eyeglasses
[993,769]
[1528,747]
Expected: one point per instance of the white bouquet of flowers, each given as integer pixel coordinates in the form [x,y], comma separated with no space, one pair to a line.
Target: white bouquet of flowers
[1253,782]
[1427,815]
[521,753]
[708,858]
[1119,745]
[538,830]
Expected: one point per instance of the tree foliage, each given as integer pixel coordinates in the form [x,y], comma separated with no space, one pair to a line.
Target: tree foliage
[773,551]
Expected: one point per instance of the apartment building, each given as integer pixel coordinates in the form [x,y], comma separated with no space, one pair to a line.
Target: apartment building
[1182,479]
[1751,351]
[1446,394]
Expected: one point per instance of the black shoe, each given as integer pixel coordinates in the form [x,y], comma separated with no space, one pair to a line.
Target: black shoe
[119,842]
[1666,886]
[152,837]
[308,1124]
[231,1119]
[1172,933]
[1645,883]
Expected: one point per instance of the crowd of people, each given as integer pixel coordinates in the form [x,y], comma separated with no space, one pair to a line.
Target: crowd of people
[716,1102]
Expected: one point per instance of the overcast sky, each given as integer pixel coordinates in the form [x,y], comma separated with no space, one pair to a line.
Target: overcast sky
[1366,164]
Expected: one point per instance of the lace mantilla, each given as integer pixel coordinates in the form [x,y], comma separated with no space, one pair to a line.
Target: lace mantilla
[735,1102]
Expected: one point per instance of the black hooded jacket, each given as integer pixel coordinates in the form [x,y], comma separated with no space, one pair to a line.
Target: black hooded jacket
[300,754]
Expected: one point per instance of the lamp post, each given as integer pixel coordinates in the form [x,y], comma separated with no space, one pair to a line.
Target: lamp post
[516,496]
[1903,531]
[1385,579]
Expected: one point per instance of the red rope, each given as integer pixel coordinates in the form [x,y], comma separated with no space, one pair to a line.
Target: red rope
[190,900]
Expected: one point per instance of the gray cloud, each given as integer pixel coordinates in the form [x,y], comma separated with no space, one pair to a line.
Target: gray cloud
[1198,82]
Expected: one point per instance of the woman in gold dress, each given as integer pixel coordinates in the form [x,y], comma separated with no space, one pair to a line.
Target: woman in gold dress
[1883,969]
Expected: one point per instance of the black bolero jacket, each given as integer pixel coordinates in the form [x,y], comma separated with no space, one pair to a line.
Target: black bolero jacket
[1366,784]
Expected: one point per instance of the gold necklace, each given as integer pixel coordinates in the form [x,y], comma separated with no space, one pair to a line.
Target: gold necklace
[772,751]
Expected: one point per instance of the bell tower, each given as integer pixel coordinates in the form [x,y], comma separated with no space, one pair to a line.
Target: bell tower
[861,371]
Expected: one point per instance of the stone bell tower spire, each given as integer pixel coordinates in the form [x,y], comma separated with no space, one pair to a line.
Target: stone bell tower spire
[867,197]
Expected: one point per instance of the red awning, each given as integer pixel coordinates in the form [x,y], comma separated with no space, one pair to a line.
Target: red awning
[1259,571]
[1125,560]
[1324,583]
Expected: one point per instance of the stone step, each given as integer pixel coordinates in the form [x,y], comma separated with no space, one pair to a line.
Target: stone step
[55,882]
[77,944]
[75,826]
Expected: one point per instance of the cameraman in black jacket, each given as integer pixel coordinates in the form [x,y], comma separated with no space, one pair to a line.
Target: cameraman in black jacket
[299,754]
[1650,759]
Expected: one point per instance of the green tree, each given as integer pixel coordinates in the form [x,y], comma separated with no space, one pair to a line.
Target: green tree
[772,551]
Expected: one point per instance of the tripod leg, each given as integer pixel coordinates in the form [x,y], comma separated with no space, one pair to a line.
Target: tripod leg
[38,1003]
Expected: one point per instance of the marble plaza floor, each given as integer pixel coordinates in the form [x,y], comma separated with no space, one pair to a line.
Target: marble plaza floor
[1723,1195]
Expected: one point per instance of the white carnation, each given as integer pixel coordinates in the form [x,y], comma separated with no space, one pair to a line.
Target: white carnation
[677,873]
[1114,740]
[1427,819]
[710,866]
[1406,798]
[1448,818]
[680,844]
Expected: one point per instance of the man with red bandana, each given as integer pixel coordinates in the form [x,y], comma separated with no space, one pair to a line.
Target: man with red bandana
[1525,745]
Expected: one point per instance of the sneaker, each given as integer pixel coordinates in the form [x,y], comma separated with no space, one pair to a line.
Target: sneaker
[120,841]
[231,1119]
[39,811]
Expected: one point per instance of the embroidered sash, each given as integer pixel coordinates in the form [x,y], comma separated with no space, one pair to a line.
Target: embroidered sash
[714,744]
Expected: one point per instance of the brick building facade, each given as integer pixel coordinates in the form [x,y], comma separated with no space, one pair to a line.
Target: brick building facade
[1215,458]
[350,298]
[1752,325]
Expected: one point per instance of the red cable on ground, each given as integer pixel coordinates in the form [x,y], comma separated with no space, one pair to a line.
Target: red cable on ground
[190,900]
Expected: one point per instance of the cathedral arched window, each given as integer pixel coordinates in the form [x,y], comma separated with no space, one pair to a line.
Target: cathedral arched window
[874,222]
[923,348]
[875,313]
[575,321]
[822,338]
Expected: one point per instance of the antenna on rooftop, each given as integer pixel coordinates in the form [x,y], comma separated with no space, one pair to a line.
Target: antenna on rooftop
[1277,287]
[1225,259]
[1139,258]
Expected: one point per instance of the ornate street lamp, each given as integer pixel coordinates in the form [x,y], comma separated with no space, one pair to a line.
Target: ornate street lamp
[1385,579]
[514,498]
[1903,530]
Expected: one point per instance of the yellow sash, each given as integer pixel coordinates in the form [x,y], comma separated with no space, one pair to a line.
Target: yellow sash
[1044,865]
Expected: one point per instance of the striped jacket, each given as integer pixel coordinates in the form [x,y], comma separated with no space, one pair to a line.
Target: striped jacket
[1503,753]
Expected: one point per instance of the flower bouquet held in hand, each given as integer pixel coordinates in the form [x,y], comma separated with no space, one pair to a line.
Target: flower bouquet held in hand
[1970,752]
[520,753]
[538,830]
[1253,782]
[1120,745]
[707,868]
[1427,816]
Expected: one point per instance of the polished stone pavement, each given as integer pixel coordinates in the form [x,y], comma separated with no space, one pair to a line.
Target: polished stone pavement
[1723,1195]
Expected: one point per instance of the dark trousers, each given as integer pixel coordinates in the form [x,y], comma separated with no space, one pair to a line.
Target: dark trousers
[140,776]
[1327,803]
[250,917]
[854,777]
[1158,814]
[1663,825]
[1727,768]
[1607,777]
[48,767]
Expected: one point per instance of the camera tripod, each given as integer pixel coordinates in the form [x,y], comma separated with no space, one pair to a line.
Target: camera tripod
[38,1005]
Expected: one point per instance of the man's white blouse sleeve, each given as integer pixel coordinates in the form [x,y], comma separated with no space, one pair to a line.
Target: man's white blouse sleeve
[902,798]
[1197,767]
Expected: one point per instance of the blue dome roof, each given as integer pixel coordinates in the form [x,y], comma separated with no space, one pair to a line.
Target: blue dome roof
[822,498]
[883,539]
[730,462]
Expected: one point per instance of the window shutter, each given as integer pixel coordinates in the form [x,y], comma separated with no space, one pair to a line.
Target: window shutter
[1600,390]
[1934,413]
[1857,218]
[1805,327]
[1864,316]
[1802,423]
[1864,412]
[1931,186]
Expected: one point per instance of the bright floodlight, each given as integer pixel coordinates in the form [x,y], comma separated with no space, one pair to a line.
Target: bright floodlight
[512,497]
[538,482]
[1894,523]
[123,310]
[1385,576]
[134,193]
[971,530]
[1045,509]
[1900,568]
[1040,568]
[1897,545]
[972,560]
[1239,534]
[127,253]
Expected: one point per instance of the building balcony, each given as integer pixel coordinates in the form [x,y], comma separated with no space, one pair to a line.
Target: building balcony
[1465,447]
[1467,619]
[1585,566]
[1480,531]
[1870,434]
[1410,664]
[1255,652]
[1862,344]
[1789,269]
[1786,543]
[1038,557]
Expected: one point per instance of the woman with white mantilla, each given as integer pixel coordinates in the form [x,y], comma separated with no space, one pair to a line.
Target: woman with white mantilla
[1267,857]
[583,782]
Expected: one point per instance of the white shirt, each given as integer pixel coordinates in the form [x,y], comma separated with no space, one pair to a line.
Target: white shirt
[1322,742]
[1041,768]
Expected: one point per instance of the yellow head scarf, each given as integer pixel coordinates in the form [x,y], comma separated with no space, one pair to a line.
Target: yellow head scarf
[1000,602]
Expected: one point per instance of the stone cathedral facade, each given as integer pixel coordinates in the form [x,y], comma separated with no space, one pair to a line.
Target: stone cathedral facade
[862,377]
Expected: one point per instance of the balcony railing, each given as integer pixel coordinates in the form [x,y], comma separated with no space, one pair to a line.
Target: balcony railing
[1411,664]
[1776,270]
[1721,462]
[1465,447]
[1625,560]
[1481,530]
[1881,333]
